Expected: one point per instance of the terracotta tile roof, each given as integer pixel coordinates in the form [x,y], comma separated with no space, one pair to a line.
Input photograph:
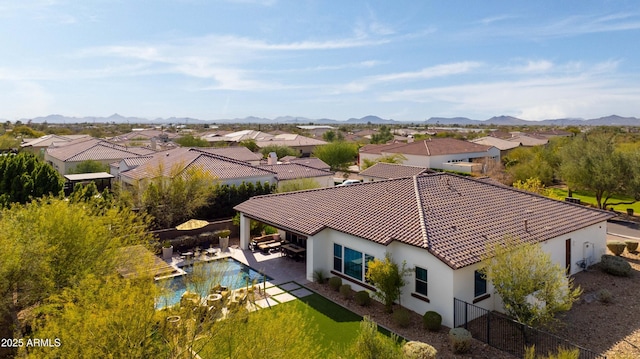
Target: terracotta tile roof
[239,153]
[307,161]
[526,140]
[48,140]
[391,170]
[428,147]
[218,166]
[455,218]
[94,149]
[145,134]
[291,140]
[499,143]
[287,171]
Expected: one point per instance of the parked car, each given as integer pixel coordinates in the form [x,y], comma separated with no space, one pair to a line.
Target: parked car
[348,182]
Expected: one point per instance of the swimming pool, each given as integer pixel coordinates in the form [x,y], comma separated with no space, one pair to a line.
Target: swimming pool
[202,276]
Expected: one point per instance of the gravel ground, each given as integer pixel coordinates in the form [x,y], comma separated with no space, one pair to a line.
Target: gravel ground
[612,329]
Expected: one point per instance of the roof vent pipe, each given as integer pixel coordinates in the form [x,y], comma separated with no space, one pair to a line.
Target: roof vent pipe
[526,225]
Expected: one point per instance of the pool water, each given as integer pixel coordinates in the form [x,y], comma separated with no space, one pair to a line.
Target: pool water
[203,276]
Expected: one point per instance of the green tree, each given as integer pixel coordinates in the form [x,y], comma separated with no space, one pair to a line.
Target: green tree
[51,244]
[532,287]
[191,141]
[250,144]
[8,142]
[281,151]
[173,197]
[25,132]
[396,158]
[90,166]
[298,185]
[388,278]
[338,155]
[592,163]
[24,177]
[329,136]
[534,185]
[371,344]
[383,136]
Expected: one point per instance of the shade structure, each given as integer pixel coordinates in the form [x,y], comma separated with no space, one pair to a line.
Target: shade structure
[191,224]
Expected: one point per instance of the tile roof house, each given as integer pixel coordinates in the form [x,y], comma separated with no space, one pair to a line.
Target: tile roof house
[66,157]
[289,172]
[164,164]
[382,171]
[440,224]
[147,137]
[39,145]
[439,153]
[307,161]
[503,145]
[304,145]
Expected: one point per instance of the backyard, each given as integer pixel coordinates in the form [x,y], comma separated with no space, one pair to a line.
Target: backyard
[589,198]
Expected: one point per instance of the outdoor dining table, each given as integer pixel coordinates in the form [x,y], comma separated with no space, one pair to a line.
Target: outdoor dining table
[294,251]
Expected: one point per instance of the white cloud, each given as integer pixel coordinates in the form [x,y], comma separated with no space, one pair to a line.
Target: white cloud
[423,74]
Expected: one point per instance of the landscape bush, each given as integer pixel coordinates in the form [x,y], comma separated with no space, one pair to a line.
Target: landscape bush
[432,321]
[345,291]
[632,246]
[616,247]
[460,340]
[418,350]
[319,276]
[617,266]
[401,318]
[363,298]
[335,283]
[604,296]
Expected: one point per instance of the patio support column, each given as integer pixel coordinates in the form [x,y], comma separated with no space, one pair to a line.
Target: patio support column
[245,229]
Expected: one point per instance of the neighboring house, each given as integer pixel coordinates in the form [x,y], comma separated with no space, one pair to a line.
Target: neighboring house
[383,171]
[165,164]
[529,140]
[316,130]
[290,172]
[439,224]
[307,161]
[152,138]
[439,153]
[38,145]
[65,158]
[304,145]
[503,145]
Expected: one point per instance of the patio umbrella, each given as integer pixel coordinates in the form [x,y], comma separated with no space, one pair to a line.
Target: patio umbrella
[191,224]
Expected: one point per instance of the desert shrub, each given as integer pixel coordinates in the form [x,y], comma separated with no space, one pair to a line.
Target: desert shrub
[401,317]
[432,321]
[335,283]
[319,276]
[616,247]
[345,291]
[363,298]
[418,350]
[460,340]
[604,296]
[632,246]
[530,353]
[615,265]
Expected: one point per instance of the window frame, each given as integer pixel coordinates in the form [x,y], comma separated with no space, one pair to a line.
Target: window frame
[421,281]
[478,277]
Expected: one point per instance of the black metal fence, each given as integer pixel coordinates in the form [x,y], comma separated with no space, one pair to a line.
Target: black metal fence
[508,335]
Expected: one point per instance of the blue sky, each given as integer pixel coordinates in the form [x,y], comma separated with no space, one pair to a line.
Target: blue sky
[405,60]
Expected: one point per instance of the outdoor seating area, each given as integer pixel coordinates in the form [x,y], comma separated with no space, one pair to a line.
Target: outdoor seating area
[266,243]
[293,251]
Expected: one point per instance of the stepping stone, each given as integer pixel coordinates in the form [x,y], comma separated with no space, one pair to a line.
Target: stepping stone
[266,303]
[301,292]
[290,286]
[284,297]
[274,291]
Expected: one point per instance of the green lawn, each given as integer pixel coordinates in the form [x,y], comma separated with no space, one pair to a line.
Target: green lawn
[589,198]
[338,327]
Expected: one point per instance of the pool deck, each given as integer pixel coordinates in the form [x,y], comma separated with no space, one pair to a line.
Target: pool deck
[288,276]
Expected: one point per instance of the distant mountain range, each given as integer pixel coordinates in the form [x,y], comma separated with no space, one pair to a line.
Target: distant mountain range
[612,120]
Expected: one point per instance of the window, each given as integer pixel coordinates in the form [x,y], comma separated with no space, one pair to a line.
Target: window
[337,257]
[421,281]
[480,286]
[351,262]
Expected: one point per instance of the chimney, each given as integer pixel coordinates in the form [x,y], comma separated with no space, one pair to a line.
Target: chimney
[272,159]
[153,144]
